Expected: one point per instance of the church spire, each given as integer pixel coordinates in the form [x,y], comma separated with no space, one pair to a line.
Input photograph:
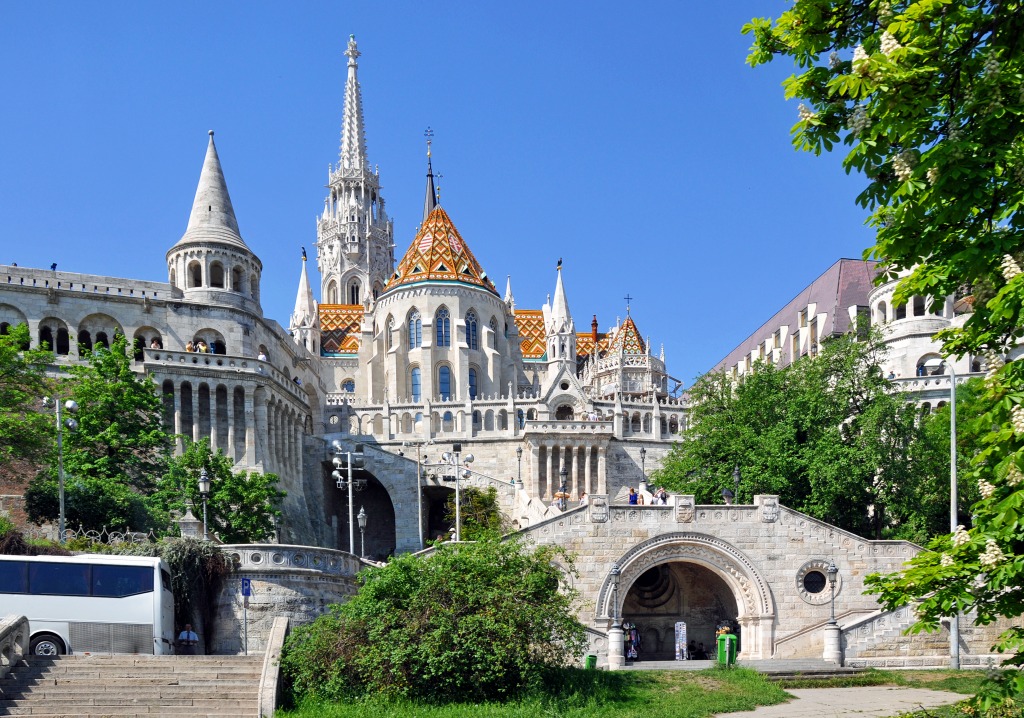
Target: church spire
[510,300]
[561,318]
[212,217]
[559,326]
[303,325]
[430,200]
[353,131]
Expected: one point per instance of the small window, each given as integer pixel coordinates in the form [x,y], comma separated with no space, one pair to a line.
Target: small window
[415,383]
[120,581]
[472,335]
[444,382]
[415,330]
[13,577]
[814,582]
[348,386]
[443,328]
[472,383]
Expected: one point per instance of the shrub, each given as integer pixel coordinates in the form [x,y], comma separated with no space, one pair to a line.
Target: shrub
[472,622]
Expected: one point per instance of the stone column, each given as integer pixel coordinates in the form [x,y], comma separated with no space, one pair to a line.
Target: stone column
[179,445]
[249,418]
[833,644]
[533,471]
[546,490]
[195,413]
[588,452]
[231,424]
[616,654]
[214,443]
[602,470]
[260,429]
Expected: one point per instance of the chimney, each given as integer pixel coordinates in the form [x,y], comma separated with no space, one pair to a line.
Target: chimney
[593,328]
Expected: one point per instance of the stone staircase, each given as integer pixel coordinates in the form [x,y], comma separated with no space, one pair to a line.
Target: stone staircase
[133,685]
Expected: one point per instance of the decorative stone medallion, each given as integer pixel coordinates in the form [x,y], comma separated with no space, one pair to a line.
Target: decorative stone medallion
[685,509]
[769,509]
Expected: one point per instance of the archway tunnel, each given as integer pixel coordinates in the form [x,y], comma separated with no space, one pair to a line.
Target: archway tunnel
[673,592]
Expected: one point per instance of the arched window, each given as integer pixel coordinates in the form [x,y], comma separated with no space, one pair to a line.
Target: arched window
[881,313]
[348,386]
[217,275]
[415,330]
[520,418]
[415,383]
[85,341]
[918,306]
[388,329]
[443,326]
[101,340]
[494,333]
[195,275]
[332,292]
[353,293]
[472,337]
[472,383]
[444,382]
[901,311]
[63,342]
[238,279]
[46,338]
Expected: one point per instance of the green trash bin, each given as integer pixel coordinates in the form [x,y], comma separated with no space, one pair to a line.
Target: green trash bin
[726,648]
[590,662]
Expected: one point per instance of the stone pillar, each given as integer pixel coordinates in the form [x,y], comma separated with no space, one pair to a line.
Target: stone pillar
[214,443]
[833,644]
[533,471]
[179,445]
[249,418]
[546,489]
[616,654]
[231,424]
[195,413]
[602,470]
[588,453]
[261,429]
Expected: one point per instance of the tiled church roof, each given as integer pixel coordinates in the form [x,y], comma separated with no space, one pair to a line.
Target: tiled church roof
[585,344]
[532,336]
[438,253]
[340,325]
[628,340]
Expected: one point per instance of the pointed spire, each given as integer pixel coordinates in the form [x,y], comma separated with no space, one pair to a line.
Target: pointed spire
[353,129]
[305,306]
[561,318]
[212,217]
[509,299]
[430,200]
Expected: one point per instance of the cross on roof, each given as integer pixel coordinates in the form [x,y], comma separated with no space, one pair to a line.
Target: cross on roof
[628,300]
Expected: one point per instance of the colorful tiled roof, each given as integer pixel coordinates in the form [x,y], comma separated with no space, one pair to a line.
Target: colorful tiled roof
[340,326]
[628,340]
[585,344]
[438,253]
[532,336]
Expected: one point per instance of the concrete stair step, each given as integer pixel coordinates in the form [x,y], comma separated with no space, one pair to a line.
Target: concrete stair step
[235,693]
[136,711]
[79,702]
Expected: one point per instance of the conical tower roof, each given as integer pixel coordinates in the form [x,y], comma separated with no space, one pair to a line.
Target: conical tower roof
[213,217]
[438,254]
[305,313]
[628,340]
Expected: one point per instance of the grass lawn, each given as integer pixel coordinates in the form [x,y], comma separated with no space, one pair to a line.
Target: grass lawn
[659,694]
[594,694]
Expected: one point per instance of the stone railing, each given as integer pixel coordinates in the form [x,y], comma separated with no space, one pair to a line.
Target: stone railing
[226,363]
[13,642]
[84,283]
[270,678]
[929,383]
[601,427]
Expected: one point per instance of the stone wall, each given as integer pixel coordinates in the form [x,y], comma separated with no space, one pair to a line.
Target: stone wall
[298,582]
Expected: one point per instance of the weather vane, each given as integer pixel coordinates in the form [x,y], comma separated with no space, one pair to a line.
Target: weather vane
[429,134]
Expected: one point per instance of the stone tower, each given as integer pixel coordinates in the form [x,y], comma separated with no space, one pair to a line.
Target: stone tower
[355,249]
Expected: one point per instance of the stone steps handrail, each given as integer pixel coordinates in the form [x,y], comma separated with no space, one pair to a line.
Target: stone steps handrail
[270,677]
[14,635]
[858,614]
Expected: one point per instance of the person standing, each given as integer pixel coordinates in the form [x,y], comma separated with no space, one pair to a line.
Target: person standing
[187,641]
[633,498]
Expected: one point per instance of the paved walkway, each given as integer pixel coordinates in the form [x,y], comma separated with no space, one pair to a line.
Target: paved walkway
[860,702]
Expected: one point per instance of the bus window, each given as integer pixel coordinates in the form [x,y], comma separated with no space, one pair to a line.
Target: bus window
[165,577]
[120,581]
[13,577]
[58,579]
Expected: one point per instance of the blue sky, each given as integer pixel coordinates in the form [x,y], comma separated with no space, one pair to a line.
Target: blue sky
[630,139]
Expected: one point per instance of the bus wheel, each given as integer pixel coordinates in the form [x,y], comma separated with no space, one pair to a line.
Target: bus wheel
[47,644]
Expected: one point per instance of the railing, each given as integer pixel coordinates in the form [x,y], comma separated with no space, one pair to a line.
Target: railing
[13,642]
[226,362]
[84,283]
[102,536]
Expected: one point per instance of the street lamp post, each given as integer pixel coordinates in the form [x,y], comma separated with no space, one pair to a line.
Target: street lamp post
[419,481]
[519,462]
[616,657]
[204,491]
[563,474]
[643,462]
[461,467]
[833,648]
[348,460]
[361,518]
[70,423]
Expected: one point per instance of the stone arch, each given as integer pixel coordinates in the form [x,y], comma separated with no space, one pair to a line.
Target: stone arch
[214,340]
[100,329]
[217,274]
[54,331]
[753,596]
[195,274]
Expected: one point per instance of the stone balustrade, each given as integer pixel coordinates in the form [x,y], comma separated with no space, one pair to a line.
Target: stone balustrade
[14,635]
[226,363]
[84,283]
[554,426]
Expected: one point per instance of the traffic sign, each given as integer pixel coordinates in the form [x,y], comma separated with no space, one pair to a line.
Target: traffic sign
[246,586]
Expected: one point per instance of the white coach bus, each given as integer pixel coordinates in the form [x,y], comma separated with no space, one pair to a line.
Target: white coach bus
[92,603]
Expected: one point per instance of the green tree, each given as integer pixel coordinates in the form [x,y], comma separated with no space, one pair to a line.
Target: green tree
[480,512]
[23,429]
[927,95]
[242,506]
[471,622]
[826,433]
[118,450]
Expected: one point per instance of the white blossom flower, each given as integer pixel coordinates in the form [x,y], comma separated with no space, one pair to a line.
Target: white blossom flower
[1014,477]
[994,362]
[834,61]
[933,175]
[903,165]
[860,60]
[884,13]
[1017,419]
[991,65]
[986,489]
[859,120]
[946,560]
[992,554]
[1010,267]
[960,536]
[805,112]
[889,44]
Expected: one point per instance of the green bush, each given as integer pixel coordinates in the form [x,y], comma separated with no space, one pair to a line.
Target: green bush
[472,622]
